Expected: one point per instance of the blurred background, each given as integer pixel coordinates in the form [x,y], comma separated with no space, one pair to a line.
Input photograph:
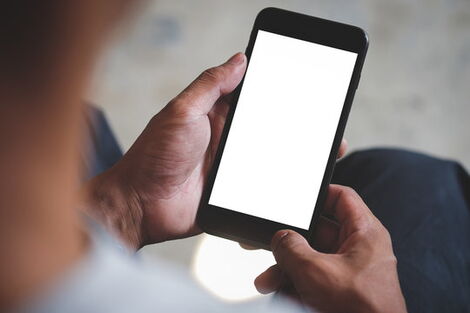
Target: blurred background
[414,91]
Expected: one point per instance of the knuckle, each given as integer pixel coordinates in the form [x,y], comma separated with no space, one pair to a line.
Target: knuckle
[378,237]
[386,235]
[350,192]
[154,119]
[179,108]
[393,260]
[384,231]
[176,106]
[348,195]
[363,234]
[176,103]
[212,75]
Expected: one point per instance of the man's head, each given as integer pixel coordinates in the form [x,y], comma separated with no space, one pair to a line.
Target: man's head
[47,52]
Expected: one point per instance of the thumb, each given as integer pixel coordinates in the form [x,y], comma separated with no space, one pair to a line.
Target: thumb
[291,250]
[213,83]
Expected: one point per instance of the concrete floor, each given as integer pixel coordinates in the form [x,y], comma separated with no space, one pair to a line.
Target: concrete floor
[414,92]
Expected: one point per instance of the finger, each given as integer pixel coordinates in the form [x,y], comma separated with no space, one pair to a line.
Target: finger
[217,117]
[200,96]
[219,111]
[247,247]
[220,108]
[347,207]
[342,148]
[270,280]
[291,250]
[326,235]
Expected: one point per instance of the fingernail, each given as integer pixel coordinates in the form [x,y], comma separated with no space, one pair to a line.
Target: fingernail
[237,59]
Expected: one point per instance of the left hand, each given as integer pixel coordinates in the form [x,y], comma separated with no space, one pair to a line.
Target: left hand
[153,193]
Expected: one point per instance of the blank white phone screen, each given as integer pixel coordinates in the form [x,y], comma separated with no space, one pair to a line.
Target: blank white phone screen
[283,129]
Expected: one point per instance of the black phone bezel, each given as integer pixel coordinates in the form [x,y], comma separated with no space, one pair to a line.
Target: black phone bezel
[257,231]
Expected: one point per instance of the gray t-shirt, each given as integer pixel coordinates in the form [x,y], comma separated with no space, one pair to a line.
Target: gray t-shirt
[110,279]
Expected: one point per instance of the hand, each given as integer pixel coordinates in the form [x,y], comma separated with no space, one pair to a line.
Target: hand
[153,193]
[361,274]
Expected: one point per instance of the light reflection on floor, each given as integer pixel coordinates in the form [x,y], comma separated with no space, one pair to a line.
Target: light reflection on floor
[228,271]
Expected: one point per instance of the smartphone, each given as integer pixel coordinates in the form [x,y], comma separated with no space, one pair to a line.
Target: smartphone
[282,134]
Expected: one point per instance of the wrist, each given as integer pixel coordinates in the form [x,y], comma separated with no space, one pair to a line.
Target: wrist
[390,298]
[115,207]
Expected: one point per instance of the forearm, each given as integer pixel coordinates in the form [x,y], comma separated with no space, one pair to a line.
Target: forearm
[114,207]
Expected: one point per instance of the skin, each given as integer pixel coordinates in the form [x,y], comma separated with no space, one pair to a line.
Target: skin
[359,274]
[151,195]
[44,73]
[160,182]
[160,179]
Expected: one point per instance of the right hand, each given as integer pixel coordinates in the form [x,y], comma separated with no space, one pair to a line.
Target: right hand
[361,274]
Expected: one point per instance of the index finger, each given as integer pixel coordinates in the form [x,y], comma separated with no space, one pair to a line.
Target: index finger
[347,207]
[213,83]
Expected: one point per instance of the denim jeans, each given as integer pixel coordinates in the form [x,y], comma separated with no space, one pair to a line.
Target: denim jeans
[424,202]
